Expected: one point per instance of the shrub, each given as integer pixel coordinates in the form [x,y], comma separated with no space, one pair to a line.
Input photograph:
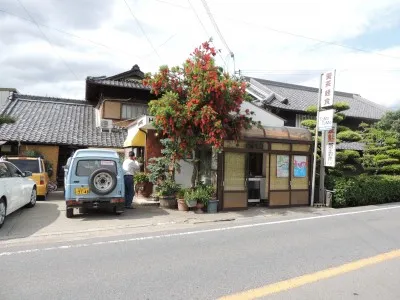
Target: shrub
[394,153]
[141,177]
[349,136]
[365,190]
[309,123]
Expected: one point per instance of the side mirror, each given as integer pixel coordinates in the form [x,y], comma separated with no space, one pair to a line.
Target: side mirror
[27,174]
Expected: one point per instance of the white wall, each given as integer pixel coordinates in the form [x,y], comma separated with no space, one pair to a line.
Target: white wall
[3,97]
[184,177]
[265,117]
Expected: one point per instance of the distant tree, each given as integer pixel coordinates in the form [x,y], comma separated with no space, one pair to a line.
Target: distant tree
[382,150]
[347,160]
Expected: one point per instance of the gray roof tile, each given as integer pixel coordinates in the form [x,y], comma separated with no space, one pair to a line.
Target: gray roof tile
[301,97]
[47,120]
[133,84]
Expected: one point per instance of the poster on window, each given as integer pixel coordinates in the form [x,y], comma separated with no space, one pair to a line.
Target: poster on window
[300,166]
[282,166]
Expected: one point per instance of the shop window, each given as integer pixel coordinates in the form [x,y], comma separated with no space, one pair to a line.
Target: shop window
[255,164]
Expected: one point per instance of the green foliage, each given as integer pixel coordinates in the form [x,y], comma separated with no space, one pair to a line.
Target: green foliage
[387,161]
[312,110]
[394,153]
[365,190]
[167,187]
[338,117]
[141,177]
[341,128]
[350,168]
[341,106]
[391,169]
[309,123]
[201,193]
[349,136]
[6,120]
[390,121]
[352,154]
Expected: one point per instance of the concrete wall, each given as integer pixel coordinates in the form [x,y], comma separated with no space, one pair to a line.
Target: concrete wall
[50,153]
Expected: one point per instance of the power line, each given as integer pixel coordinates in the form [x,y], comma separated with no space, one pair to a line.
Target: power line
[141,28]
[204,28]
[216,26]
[48,40]
[294,34]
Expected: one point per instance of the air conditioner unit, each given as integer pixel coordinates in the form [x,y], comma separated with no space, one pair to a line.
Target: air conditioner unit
[106,124]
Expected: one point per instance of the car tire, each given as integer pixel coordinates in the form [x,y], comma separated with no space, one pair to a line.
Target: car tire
[69,213]
[3,212]
[33,199]
[100,179]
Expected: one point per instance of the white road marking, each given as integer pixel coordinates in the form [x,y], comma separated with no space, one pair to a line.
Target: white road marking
[154,237]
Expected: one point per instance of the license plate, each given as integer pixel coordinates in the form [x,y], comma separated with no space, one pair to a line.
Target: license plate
[82,191]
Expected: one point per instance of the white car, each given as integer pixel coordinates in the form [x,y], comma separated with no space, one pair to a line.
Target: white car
[16,190]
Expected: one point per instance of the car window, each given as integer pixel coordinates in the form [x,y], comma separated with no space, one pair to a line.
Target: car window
[4,173]
[14,171]
[87,167]
[31,165]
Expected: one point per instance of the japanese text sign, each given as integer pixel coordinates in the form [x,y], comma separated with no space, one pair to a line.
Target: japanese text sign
[327,88]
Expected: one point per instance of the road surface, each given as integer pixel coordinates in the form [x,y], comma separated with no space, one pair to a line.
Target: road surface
[352,254]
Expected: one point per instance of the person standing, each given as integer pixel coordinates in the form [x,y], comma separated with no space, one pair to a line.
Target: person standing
[130,167]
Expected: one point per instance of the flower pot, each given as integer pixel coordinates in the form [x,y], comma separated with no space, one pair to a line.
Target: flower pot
[144,189]
[212,206]
[182,206]
[192,203]
[168,201]
[199,206]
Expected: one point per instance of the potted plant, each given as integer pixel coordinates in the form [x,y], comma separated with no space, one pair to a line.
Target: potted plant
[212,204]
[190,198]
[182,205]
[167,193]
[142,184]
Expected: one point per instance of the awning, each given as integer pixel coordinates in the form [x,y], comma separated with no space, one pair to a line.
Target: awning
[135,138]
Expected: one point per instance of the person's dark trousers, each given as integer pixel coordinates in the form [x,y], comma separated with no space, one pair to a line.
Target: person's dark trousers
[128,190]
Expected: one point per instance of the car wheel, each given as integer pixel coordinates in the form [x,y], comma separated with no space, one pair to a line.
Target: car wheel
[3,211]
[32,201]
[102,181]
[69,213]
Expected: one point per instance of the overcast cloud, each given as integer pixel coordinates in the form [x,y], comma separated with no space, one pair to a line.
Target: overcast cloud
[276,40]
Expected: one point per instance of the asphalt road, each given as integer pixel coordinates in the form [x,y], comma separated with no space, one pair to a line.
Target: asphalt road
[212,261]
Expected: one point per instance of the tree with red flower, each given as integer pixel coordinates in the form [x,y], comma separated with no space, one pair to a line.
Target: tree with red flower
[199,104]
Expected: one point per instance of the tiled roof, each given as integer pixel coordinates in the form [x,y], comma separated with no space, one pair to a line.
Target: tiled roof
[46,120]
[299,98]
[118,83]
[351,146]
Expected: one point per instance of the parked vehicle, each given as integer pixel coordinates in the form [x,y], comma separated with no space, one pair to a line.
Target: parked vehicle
[16,190]
[36,166]
[94,179]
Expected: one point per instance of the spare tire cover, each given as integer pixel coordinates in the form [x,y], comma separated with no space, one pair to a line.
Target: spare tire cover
[102,181]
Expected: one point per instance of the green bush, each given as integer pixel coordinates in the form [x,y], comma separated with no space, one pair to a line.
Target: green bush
[309,123]
[387,161]
[365,190]
[141,177]
[349,136]
[391,169]
[394,153]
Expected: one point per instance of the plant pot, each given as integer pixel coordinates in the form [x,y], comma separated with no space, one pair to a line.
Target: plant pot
[144,189]
[199,207]
[192,203]
[212,206]
[182,206]
[168,201]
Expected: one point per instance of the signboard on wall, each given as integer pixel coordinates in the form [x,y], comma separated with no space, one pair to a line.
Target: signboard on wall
[300,166]
[325,120]
[330,147]
[282,166]
[327,88]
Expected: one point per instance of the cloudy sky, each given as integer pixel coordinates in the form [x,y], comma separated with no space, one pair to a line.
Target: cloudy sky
[48,47]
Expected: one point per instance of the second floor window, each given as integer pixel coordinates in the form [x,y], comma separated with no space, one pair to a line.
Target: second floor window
[130,111]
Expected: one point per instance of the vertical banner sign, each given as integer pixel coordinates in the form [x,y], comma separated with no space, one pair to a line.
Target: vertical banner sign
[325,120]
[327,88]
[330,147]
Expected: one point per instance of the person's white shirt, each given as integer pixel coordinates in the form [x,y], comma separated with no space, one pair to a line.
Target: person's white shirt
[130,166]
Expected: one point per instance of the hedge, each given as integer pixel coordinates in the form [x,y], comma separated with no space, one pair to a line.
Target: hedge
[365,190]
